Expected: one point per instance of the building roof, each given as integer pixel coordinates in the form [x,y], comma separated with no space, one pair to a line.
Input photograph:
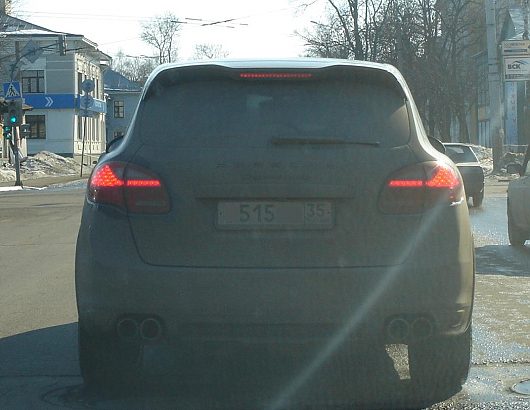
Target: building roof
[115,81]
[516,15]
[14,27]
[9,23]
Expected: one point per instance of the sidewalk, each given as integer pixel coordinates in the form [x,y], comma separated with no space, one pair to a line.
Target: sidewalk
[45,181]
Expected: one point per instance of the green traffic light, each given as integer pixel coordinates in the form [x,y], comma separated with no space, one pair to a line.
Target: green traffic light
[8,131]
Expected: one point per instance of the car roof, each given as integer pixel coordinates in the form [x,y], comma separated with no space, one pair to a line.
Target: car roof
[286,63]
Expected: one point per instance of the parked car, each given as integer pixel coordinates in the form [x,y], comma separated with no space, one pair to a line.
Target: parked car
[276,202]
[469,166]
[518,205]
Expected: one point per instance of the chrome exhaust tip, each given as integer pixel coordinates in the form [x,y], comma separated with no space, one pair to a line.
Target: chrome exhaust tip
[422,328]
[127,328]
[398,329]
[150,329]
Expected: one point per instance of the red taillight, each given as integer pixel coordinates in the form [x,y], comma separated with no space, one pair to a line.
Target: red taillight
[129,187]
[275,75]
[443,177]
[405,183]
[419,187]
[106,177]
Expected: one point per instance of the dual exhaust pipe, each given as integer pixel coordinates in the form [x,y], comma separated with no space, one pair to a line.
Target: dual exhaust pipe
[398,329]
[401,329]
[148,329]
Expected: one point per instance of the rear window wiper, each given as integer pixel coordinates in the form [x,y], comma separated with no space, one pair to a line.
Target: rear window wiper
[321,141]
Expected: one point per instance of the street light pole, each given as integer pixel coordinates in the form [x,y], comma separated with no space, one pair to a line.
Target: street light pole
[496,129]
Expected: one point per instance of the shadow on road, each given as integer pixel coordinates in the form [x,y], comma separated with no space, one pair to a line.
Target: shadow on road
[503,260]
[243,377]
[45,352]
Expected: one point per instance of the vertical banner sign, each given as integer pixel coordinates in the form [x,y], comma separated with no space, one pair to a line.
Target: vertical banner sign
[510,90]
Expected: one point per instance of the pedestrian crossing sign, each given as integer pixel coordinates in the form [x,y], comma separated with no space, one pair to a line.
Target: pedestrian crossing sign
[12,90]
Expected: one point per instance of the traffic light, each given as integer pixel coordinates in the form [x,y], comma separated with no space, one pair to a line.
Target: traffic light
[25,131]
[14,112]
[8,128]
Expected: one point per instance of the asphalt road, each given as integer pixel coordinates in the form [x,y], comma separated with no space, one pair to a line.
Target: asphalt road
[38,351]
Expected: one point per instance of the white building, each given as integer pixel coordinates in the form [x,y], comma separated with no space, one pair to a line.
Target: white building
[50,79]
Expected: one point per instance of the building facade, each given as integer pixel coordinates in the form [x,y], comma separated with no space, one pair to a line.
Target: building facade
[514,95]
[122,98]
[49,69]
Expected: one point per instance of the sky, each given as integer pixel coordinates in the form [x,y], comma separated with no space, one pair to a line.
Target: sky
[261,28]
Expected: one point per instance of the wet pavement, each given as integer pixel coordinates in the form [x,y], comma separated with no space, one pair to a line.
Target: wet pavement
[38,357]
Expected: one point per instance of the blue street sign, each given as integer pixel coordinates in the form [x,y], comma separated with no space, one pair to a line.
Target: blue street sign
[95,105]
[12,90]
[86,102]
[51,101]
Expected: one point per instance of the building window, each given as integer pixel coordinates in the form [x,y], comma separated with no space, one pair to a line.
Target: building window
[118,134]
[38,126]
[79,82]
[119,109]
[33,81]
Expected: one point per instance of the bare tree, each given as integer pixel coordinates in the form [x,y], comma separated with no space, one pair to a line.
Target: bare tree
[431,41]
[209,51]
[11,6]
[327,40]
[135,68]
[161,33]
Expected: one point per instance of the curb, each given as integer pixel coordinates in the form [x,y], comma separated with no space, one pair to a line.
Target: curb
[44,182]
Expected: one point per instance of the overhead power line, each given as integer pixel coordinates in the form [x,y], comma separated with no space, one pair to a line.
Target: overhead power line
[91,16]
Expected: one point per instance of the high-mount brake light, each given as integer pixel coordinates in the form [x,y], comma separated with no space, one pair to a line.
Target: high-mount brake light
[275,75]
[421,186]
[129,187]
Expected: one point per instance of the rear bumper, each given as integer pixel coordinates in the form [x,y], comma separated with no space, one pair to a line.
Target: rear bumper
[252,304]
[259,304]
[473,181]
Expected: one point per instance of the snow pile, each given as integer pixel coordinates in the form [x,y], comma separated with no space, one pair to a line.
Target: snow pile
[485,157]
[43,164]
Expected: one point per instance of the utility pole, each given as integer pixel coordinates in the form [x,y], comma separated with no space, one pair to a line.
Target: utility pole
[525,12]
[496,128]
[16,155]
[526,122]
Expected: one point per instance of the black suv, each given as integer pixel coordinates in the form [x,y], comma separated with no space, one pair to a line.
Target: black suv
[255,201]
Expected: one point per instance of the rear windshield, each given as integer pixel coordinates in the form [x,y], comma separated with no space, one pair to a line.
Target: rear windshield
[460,153]
[251,113]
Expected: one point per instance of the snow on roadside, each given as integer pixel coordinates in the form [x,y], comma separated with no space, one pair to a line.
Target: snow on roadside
[43,164]
[485,157]
[48,164]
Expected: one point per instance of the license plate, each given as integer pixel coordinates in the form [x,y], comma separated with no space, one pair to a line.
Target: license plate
[275,215]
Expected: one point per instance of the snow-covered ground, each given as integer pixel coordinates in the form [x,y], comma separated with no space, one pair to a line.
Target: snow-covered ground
[47,164]
[43,164]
